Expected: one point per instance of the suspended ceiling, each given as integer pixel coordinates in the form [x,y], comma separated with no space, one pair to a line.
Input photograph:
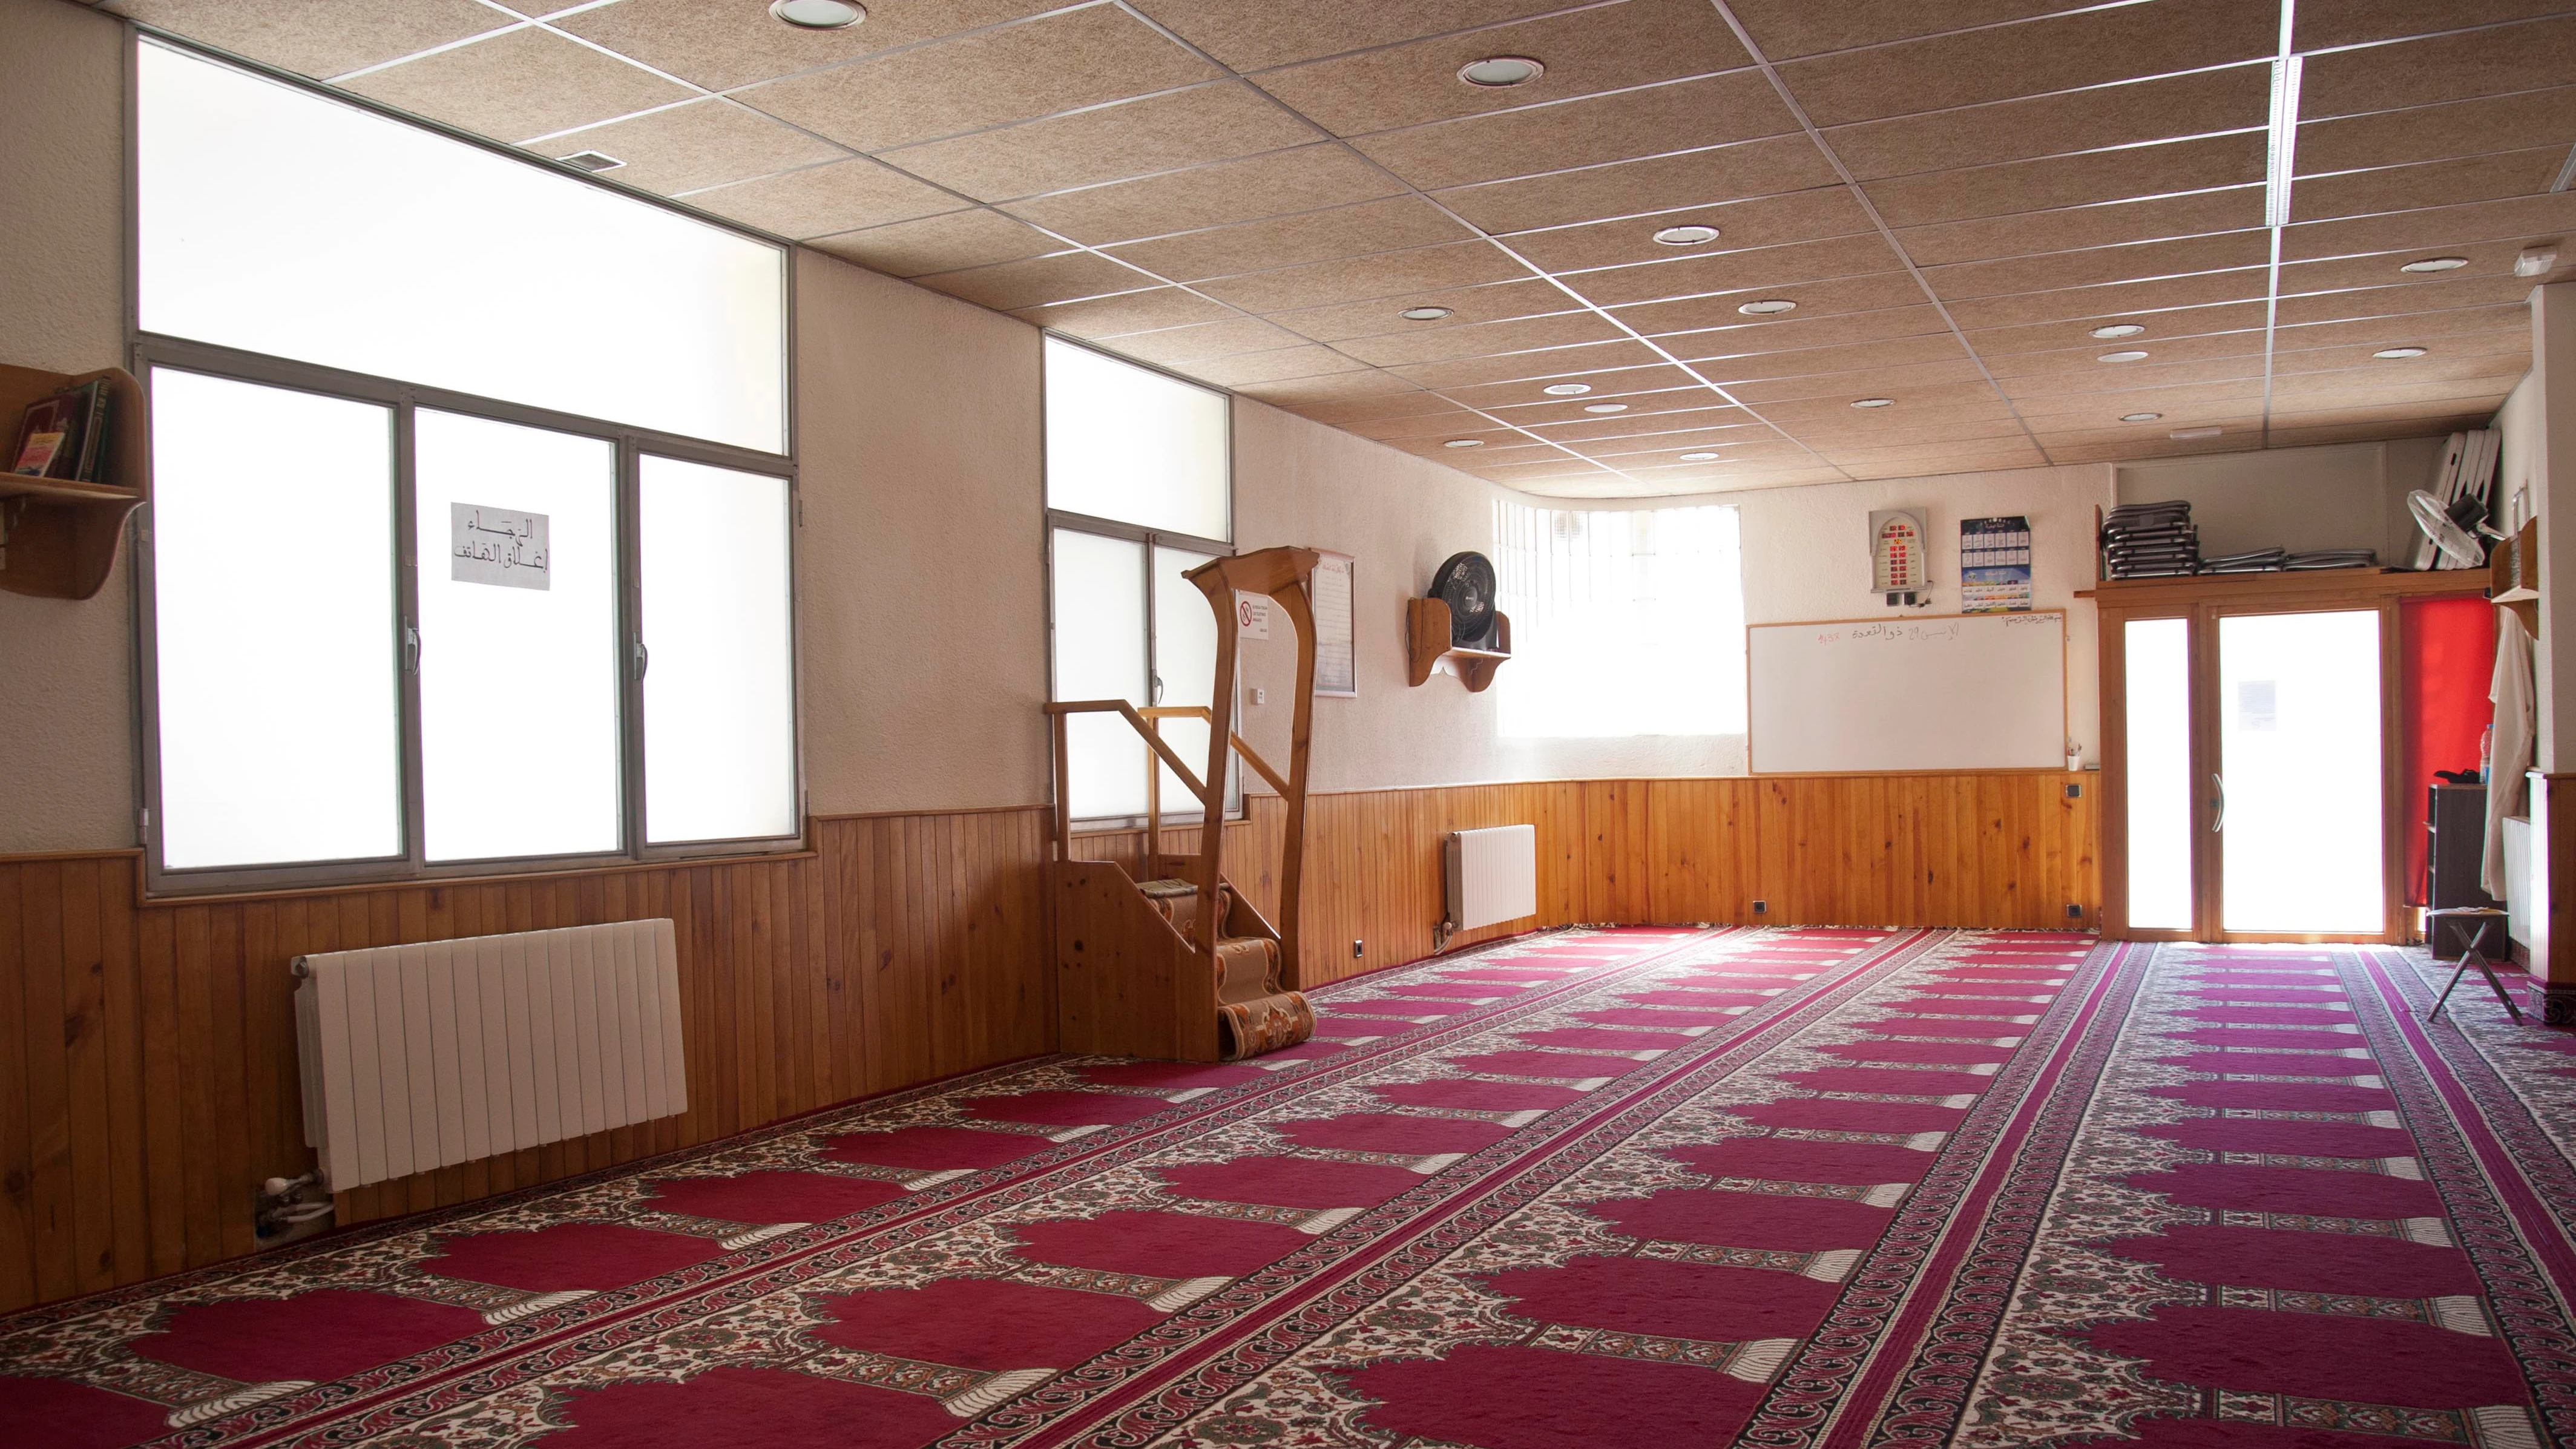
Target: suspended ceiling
[1954,193]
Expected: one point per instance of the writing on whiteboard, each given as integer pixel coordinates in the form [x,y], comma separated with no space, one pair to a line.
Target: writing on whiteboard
[500,546]
[1899,632]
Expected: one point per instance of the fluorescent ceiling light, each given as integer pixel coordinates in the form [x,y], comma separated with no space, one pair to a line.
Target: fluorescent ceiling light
[2140,417]
[2281,149]
[819,14]
[1874,402]
[2118,329]
[1770,308]
[1423,314]
[2394,353]
[1464,443]
[1686,236]
[1566,389]
[2436,264]
[1501,70]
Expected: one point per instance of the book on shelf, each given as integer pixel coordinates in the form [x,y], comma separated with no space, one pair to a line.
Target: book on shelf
[64,436]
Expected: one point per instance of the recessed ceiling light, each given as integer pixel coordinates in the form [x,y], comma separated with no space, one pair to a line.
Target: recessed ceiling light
[1874,402]
[2140,417]
[2436,264]
[1605,407]
[819,14]
[2132,355]
[1423,314]
[1699,457]
[1770,308]
[2118,329]
[1686,236]
[2395,353]
[591,161]
[1464,443]
[2191,435]
[1501,70]
[1566,389]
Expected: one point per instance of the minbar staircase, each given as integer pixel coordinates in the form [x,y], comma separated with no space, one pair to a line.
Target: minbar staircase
[1180,965]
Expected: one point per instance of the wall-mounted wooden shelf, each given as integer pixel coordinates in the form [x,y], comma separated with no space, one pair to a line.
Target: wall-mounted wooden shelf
[58,538]
[2513,576]
[1427,645]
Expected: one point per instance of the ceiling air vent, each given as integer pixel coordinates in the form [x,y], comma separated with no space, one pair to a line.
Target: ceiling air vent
[592,161]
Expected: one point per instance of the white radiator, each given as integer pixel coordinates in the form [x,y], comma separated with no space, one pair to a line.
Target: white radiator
[417,1057]
[1493,875]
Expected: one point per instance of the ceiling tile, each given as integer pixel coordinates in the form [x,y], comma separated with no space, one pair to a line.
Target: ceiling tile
[1376,409]
[2431,424]
[1387,274]
[1393,224]
[2526,57]
[1255,35]
[686,148]
[2472,354]
[1660,381]
[2132,376]
[1523,366]
[1586,51]
[319,38]
[1557,477]
[1175,345]
[1761,222]
[1738,445]
[953,242]
[1491,302]
[1895,382]
[1731,372]
[1588,132]
[2163,109]
[2096,265]
[2491,177]
[1627,188]
[1641,422]
[1130,312]
[721,44]
[2086,361]
[1787,29]
[2418,326]
[2048,336]
[1158,133]
[1794,331]
[2182,405]
[2488,262]
[1870,293]
[2108,301]
[518,84]
[1059,62]
[1448,422]
[2069,228]
[1014,285]
[1304,178]
[1279,365]
[2440,132]
[1909,465]
[2096,176]
[822,200]
[1340,389]
[2336,389]
[2051,54]
[1483,339]
[1900,432]
[1767,269]
[2445,227]
[1929,401]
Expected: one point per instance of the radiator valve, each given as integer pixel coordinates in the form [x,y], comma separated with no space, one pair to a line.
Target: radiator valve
[283,1210]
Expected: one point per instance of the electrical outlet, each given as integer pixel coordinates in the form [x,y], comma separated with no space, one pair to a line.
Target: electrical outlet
[1359,949]
[2074,792]
[1761,907]
[1260,696]
[2074,912]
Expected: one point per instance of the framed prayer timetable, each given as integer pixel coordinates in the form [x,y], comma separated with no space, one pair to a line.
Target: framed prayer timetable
[1336,641]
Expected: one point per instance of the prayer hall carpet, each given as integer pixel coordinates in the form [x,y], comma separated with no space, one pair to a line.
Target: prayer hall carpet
[1831,1189]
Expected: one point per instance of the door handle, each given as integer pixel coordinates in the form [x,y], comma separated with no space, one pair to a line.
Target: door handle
[2218,803]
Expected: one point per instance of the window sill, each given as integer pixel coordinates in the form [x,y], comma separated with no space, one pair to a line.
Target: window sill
[237,895]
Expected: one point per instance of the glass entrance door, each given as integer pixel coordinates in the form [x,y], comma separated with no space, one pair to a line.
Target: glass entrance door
[2298,790]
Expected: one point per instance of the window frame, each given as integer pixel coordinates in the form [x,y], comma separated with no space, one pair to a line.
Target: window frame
[145,351]
[1053,519]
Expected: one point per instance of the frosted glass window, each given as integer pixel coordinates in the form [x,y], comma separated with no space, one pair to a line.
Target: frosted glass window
[276,220]
[1184,666]
[272,525]
[517,547]
[2298,742]
[1100,654]
[1129,443]
[2157,701]
[1624,622]
[720,679]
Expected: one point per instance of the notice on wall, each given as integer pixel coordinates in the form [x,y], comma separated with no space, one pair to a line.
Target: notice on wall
[498,546]
[1251,615]
[1994,565]
[1336,641]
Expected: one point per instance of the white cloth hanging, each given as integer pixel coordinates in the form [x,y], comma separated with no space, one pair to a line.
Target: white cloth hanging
[2509,752]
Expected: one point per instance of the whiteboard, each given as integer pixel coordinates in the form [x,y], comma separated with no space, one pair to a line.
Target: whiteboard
[1946,692]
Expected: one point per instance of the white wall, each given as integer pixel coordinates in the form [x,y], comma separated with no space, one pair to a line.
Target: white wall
[2350,495]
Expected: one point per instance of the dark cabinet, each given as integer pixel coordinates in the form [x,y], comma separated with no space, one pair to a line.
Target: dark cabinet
[2455,819]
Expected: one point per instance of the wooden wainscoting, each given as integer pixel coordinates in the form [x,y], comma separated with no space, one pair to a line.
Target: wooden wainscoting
[147,1049]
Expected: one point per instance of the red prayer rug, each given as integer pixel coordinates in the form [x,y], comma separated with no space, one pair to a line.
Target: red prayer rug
[1837,1189]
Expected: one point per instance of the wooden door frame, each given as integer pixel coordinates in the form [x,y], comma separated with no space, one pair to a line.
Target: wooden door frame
[2203,600]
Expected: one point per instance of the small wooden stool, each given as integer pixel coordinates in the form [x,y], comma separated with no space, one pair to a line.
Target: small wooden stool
[2484,916]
